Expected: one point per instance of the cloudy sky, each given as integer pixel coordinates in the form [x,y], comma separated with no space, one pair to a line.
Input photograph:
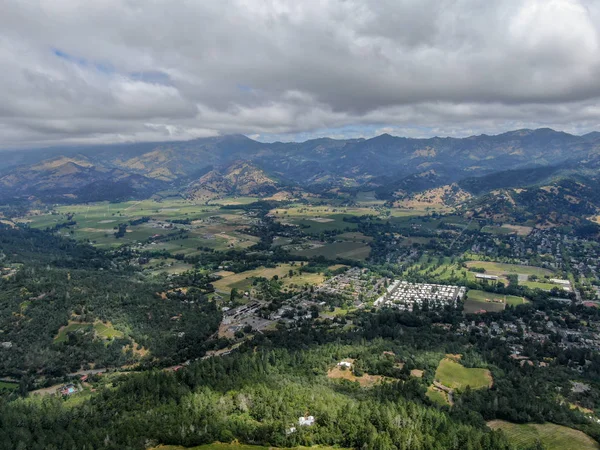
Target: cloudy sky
[94,71]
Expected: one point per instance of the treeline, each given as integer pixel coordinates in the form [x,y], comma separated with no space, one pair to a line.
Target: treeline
[255,397]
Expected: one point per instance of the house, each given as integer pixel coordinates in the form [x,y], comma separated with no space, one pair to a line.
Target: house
[306,421]
[67,389]
[345,364]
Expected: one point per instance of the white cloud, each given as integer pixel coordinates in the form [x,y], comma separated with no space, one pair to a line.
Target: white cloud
[103,70]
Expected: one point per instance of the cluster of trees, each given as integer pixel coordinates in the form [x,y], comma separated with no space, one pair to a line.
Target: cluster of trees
[62,281]
[252,396]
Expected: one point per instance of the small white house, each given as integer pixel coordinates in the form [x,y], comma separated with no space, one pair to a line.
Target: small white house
[345,364]
[306,421]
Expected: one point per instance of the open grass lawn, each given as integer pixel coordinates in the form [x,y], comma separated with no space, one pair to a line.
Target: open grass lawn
[368,199]
[552,436]
[102,330]
[437,396]
[539,285]
[494,268]
[483,296]
[169,265]
[71,328]
[478,300]
[454,375]
[211,227]
[303,278]
[106,330]
[243,281]
[497,230]
[472,306]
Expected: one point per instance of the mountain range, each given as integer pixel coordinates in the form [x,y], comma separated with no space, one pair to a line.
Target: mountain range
[236,164]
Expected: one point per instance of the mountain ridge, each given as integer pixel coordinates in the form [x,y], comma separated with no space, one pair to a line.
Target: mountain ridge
[388,163]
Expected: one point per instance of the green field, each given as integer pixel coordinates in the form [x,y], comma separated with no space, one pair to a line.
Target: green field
[71,328]
[552,437]
[437,396]
[539,285]
[315,219]
[368,199]
[106,331]
[346,249]
[476,301]
[7,386]
[481,296]
[473,306]
[211,227]
[319,224]
[494,268]
[497,230]
[103,331]
[243,281]
[454,375]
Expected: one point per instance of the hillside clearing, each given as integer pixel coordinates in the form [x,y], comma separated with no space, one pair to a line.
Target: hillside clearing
[552,436]
[455,376]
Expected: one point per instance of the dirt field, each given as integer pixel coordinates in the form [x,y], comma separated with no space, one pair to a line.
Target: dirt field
[365,380]
[519,229]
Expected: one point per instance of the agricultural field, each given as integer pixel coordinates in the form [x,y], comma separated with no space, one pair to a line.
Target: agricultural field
[316,219]
[552,436]
[344,249]
[505,229]
[473,306]
[351,245]
[227,201]
[243,281]
[97,222]
[368,199]
[167,265]
[521,230]
[489,301]
[454,375]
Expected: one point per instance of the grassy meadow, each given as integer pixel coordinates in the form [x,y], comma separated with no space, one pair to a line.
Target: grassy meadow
[552,436]
[243,281]
[209,225]
[454,375]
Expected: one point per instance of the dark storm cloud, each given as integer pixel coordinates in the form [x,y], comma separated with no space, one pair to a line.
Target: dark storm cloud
[116,70]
